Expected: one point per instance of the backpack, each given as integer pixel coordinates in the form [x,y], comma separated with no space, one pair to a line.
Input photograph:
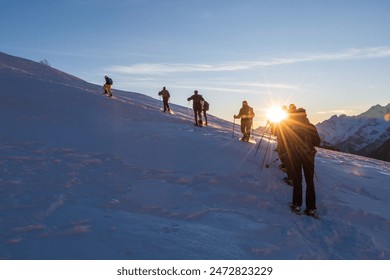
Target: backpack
[314,136]
[306,136]
[205,105]
[110,82]
[304,133]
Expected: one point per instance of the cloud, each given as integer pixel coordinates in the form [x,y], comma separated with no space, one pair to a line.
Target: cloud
[166,68]
[337,112]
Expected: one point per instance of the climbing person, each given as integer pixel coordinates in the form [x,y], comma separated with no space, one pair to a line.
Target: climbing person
[165,96]
[205,108]
[301,139]
[107,85]
[246,115]
[197,106]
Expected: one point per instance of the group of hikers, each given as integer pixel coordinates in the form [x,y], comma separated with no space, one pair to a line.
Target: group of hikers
[296,142]
[199,105]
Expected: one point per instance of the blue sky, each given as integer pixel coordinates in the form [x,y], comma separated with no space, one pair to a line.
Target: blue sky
[330,57]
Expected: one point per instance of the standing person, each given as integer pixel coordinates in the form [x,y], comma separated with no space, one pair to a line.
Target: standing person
[165,95]
[302,139]
[107,85]
[286,136]
[197,106]
[281,141]
[205,107]
[246,114]
[281,129]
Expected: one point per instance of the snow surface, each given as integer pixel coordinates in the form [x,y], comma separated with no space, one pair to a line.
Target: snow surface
[83,176]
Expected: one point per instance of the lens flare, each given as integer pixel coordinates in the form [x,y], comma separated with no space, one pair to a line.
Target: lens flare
[276,114]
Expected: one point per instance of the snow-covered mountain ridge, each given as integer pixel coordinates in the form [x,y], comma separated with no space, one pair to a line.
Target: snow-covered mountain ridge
[83,176]
[361,134]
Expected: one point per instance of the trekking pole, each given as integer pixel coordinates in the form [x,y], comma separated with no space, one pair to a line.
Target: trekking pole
[266,151]
[234,124]
[315,174]
[261,138]
[269,164]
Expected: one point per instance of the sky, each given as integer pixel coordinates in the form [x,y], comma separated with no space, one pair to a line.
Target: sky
[329,57]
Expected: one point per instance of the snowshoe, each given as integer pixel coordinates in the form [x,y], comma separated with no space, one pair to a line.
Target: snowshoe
[283,168]
[295,208]
[311,213]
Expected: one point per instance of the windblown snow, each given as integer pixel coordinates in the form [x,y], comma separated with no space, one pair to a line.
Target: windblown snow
[83,176]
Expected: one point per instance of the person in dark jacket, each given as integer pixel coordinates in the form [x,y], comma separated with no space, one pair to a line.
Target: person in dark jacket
[197,106]
[246,115]
[281,130]
[301,139]
[165,96]
[107,85]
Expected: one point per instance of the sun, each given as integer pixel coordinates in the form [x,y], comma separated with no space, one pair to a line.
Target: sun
[276,114]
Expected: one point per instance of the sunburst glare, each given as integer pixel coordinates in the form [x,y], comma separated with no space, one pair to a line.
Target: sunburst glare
[276,114]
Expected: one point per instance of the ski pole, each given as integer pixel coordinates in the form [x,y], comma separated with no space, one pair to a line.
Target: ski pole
[269,164]
[315,174]
[234,124]
[265,154]
[261,138]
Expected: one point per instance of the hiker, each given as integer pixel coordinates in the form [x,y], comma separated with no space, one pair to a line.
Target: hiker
[197,106]
[165,96]
[279,132]
[205,107]
[107,85]
[246,114]
[285,132]
[302,138]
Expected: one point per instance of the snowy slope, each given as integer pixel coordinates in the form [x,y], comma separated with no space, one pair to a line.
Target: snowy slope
[360,134]
[83,176]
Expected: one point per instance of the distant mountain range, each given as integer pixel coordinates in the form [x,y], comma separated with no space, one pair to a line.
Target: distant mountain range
[367,134]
